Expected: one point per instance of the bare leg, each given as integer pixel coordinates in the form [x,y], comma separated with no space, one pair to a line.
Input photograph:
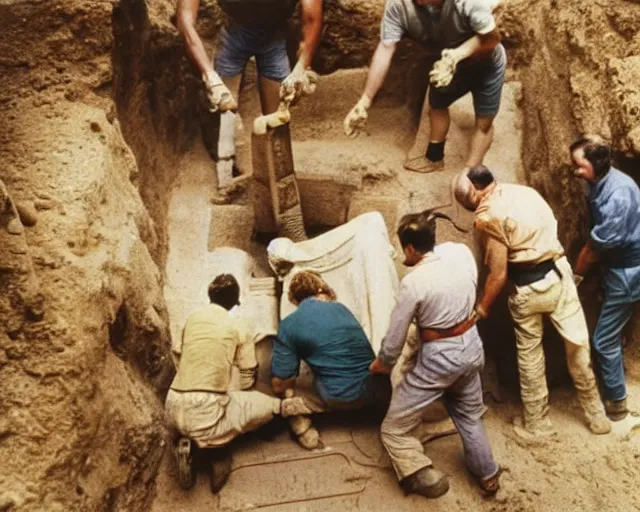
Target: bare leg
[480,141]
[269,94]
[439,122]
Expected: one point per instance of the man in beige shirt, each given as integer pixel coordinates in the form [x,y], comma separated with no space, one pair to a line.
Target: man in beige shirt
[518,232]
[199,403]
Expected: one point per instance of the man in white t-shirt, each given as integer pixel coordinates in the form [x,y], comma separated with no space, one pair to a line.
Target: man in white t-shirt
[472,60]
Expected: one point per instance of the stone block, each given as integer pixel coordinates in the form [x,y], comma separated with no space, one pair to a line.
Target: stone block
[326,197]
[389,208]
[231,226]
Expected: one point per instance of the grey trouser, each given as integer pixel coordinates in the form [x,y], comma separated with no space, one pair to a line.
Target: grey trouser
[447,369]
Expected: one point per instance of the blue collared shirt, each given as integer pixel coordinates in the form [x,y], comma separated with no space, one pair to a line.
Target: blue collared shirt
[615,208]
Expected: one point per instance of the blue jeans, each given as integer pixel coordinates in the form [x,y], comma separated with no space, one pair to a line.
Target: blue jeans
[237,44]
[622,290]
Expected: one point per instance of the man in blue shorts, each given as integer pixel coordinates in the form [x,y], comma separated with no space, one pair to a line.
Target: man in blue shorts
[257,28]
[472,60]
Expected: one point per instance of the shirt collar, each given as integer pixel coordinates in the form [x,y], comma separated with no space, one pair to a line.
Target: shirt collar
[597,187]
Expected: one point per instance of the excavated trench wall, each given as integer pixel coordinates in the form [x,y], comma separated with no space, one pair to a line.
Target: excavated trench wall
[98,104]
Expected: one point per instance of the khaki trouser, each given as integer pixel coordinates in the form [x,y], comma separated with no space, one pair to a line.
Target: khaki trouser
[558,300]
[213,419]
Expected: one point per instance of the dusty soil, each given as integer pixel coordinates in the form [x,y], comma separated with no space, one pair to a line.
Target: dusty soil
[99,121]
[575,471]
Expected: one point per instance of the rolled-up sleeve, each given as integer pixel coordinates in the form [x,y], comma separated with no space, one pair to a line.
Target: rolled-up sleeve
[613,220]
[285,362]
[479,14]
[401,318]
[392,26]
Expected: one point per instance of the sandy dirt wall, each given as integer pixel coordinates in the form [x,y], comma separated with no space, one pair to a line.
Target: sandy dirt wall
[84,343]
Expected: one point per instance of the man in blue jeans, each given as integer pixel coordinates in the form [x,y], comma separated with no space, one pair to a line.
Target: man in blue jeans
[472,60]
[614,241]
[329,338]
[257,28]
[439,295]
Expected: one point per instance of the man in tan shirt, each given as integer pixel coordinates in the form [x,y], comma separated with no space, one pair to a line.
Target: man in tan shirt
[199,403]
[518,232]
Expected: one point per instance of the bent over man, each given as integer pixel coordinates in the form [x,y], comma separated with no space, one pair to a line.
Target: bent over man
[258,28]
[439,293]
[518,232]
[199,402]
[473,60]
[614,241]
[328,337]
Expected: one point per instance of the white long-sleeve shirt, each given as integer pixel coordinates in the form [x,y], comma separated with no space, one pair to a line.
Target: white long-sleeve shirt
[438,293]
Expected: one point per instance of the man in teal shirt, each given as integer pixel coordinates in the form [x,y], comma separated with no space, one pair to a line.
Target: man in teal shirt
[326,335]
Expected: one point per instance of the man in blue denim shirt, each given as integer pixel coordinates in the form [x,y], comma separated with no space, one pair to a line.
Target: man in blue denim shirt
[614,241]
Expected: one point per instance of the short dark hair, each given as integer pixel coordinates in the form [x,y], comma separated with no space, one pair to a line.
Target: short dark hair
[596,151]
[308,283]
[480,176]
[419,229]
[224,290]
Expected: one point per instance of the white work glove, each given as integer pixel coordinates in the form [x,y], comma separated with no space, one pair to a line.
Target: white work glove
[219,96]
[577,279]
[356,119]
[444,69]
[300,82]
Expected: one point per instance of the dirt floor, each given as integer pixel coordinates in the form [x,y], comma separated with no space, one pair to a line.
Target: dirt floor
[574,471]
[107,238]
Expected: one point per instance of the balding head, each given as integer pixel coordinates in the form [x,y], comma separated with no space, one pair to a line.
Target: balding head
[463,190]
[469,187]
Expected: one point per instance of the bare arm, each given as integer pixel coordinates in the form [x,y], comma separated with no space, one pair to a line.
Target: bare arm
[586,260]
[279,385]
[311,30]
[477,45]
[380,64]
[186,17]
[496,260]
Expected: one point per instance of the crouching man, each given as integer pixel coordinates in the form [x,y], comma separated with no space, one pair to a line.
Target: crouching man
[199,403]
[329,338]
[439,294]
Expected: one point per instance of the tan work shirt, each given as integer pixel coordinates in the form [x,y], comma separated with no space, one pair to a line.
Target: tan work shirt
[212,342]
[518,217]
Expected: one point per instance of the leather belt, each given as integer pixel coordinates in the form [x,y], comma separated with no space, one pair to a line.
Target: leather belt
[427,335]
[522,274]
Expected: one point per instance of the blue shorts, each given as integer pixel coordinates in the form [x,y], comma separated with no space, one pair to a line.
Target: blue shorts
[237,44]
[483,79]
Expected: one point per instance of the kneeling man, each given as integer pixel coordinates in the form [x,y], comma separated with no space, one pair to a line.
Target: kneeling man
[199,403]
[329,338]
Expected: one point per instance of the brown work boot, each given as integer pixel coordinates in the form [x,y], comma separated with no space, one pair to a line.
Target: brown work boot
[598,423]
[534,430]
[490,485]
[184,463]
[427,482]
[221,461]
[616,409]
